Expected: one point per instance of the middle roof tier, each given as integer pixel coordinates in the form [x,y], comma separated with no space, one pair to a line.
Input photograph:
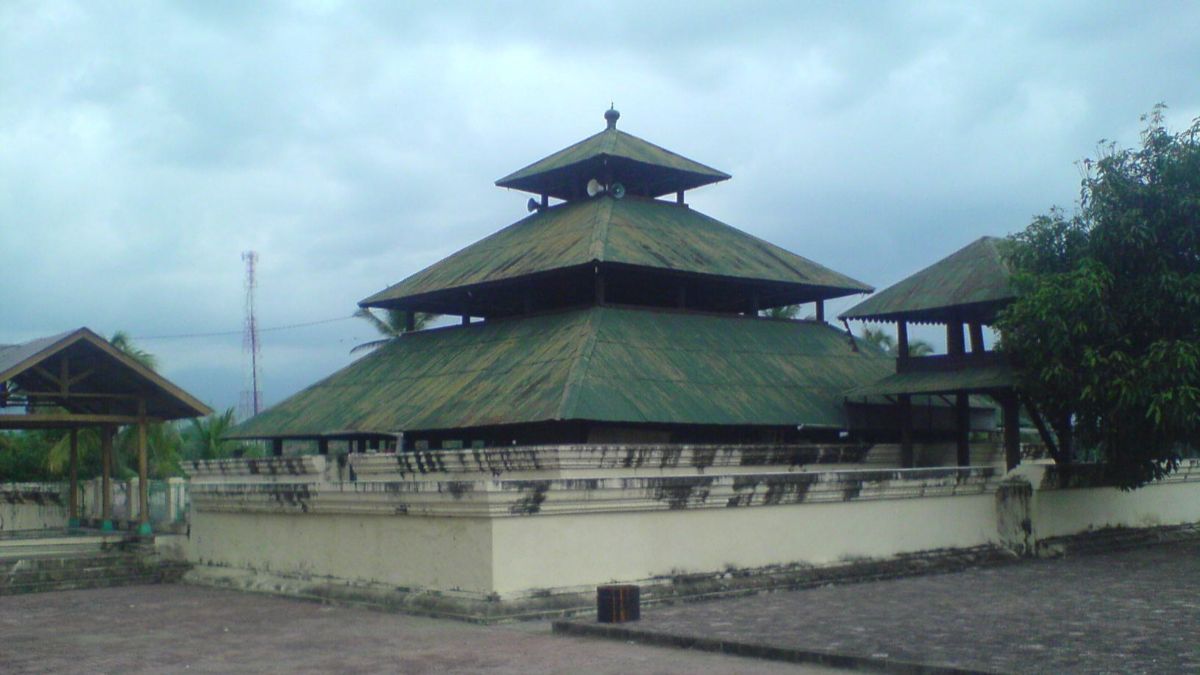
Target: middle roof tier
[648,251]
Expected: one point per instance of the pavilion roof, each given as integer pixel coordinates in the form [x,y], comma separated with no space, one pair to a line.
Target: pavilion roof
[971,284]
[636,231]
[100,383]
[601,364]
[644,168]
[976,380]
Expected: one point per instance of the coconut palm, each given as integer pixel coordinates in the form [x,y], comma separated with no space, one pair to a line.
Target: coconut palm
[391,326]
[784,312]
[886,343]
[205,438]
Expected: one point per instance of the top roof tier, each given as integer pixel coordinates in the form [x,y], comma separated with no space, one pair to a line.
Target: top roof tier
[971,285]
[612,156]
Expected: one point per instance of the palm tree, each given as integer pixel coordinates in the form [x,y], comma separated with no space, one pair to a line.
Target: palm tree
[879,340]
[784,312]
[886,343]
[391,326]
[205,438]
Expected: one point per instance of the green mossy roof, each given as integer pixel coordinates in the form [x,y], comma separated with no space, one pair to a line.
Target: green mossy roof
[635,231]
[970,284]
[650,170]
[601,363]
[981,379]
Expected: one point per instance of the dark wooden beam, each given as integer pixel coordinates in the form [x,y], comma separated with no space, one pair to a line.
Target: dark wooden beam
[821,311]
[902,339]
[277,447]
[907,460]
[1011,408]
[976,331]
[954,337]
[962,428]
[410,321]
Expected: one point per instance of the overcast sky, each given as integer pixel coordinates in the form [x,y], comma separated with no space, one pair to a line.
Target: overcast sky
[144,146]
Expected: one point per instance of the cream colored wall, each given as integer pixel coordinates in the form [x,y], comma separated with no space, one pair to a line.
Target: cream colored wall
[554,551]
[31,516]
[445,553]
[1060,513]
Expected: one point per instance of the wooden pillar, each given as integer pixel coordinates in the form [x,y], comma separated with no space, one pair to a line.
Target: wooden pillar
[106,462]
[954,337]
[410,322]
[821,310]
[599,287]
[907,460]
[1012,430]
[753,304]
[466,319]
[277,447]
[962,428]
[545,202]
[679,198]
[902,339]
[143,478]
[976,331]
[73,500]
[323,446]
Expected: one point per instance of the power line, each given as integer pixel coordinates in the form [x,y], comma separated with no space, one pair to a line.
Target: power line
[228,333]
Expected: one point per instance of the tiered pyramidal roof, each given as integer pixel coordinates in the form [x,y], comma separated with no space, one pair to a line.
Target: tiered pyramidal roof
[610,309]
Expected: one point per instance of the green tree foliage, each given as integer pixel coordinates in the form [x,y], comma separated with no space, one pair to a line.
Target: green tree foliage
[1106,331]
[391,326]
[205,438]
[884,342]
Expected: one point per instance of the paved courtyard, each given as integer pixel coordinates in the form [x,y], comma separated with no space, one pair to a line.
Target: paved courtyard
[174,628]
[1127,612]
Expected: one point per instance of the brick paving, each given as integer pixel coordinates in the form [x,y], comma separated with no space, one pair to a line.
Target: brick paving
[175,628]
[1134,611]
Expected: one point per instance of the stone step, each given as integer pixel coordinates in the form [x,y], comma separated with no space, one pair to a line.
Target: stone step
[49,573]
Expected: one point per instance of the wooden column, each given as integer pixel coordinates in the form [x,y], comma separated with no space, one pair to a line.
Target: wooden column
[962,428]
[976,331]
[277,447]
[410,321]
[1012,430]
[907,460]
[106,450]
[73,500]
[954,337]
[466,319]
[143,478]
[902,339]
[323,446]
[820,310]
[599,287]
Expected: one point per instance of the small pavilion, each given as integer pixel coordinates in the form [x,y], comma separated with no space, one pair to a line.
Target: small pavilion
[78,380]
[967,290]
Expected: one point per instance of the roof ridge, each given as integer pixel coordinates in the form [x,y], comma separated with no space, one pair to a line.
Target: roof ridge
[599,245]
[579,367]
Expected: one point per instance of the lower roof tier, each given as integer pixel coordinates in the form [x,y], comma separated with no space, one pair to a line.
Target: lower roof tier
[632,232]
[601,364]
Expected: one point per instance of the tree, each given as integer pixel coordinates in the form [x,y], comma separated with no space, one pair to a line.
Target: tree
[1105,332]
[391,326]
[884,342]
[205,438]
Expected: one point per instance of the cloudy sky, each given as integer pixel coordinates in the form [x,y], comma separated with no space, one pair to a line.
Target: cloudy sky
[144,146]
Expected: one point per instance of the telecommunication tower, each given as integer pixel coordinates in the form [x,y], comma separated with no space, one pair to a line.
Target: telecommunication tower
[251,399]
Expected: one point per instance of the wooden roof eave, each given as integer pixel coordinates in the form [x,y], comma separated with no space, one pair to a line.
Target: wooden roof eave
[181,398]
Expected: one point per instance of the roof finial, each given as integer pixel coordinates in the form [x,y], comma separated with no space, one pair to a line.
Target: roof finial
[611,116]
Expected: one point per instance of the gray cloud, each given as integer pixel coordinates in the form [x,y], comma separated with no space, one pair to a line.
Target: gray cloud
[144,147]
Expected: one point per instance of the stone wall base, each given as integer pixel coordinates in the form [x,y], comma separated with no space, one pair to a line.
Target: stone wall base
[567,602]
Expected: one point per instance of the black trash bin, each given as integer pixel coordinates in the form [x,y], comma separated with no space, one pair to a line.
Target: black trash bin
[618,603]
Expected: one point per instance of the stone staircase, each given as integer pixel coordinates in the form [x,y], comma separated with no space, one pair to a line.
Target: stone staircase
[30,565]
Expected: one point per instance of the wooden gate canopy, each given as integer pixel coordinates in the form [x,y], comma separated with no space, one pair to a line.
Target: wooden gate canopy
[78,379]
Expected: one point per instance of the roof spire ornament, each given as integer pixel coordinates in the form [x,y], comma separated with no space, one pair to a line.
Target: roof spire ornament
[611,116]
